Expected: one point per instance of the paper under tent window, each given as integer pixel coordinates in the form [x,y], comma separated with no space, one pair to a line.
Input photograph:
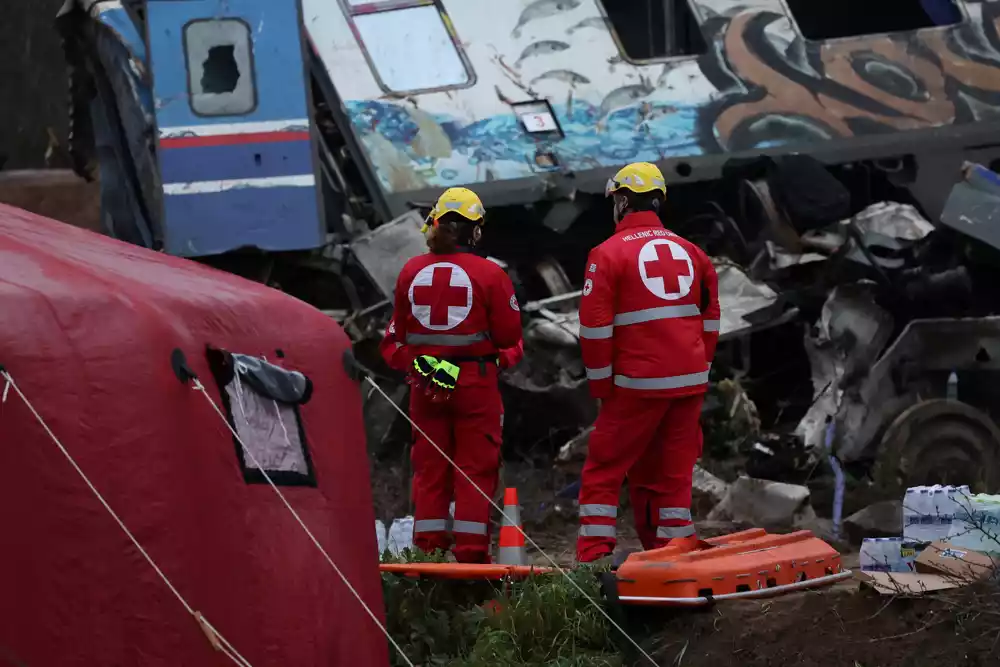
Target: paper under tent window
[261,401]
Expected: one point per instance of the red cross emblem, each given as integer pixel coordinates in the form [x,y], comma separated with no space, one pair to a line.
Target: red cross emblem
[666,269]
[441,295]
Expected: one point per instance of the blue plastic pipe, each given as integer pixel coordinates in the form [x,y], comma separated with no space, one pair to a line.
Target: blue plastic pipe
[838,475]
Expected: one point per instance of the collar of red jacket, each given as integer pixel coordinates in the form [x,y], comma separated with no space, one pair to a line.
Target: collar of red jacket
[460,250]
[639,219]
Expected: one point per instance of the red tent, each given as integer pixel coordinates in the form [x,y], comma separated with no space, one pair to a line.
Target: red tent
[88,327]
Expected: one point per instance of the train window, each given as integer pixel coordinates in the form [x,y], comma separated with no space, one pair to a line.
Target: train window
[219,60]
[853,18]
[410,49]
[653,29]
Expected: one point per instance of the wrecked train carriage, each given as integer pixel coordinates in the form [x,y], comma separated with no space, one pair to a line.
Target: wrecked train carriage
[902,348]
[907,362]
[217,127]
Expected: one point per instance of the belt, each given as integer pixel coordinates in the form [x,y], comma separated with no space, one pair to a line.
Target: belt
[482,359]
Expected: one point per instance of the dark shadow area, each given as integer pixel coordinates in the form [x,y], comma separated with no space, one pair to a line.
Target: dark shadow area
[655,28]
[220,73]
[852,18]
[33,72]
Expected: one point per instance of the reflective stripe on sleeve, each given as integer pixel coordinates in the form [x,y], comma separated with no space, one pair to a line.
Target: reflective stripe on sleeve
[670,532]
[711,325]
[596,333]
[598,373]
[430,525]
[675,513]
[672,382]
[653,314]
[606,511]
[597,531]
[446,340]
[469,527]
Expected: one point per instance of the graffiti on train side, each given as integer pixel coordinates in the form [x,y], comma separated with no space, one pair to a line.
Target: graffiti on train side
[853,88]
[767,86]
[412,149]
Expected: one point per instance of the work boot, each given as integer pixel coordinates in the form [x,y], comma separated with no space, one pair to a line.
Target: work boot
[621,556]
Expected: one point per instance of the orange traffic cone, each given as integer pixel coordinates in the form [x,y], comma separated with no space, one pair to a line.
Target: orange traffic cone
[511,551]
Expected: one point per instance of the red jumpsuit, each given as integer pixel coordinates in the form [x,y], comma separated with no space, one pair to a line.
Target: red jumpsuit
[462,308]
[649,320]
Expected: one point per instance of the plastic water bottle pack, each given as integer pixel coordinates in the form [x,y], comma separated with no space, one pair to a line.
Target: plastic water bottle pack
[977,525]
[889,554]
[929,510]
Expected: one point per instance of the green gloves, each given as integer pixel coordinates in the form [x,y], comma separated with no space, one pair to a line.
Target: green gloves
[425,365]
[441,373]
[446,376]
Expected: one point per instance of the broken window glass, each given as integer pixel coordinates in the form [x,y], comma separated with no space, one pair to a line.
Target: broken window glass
[261,401]
[854,18]
[651,29]
[411,49]
[220,67]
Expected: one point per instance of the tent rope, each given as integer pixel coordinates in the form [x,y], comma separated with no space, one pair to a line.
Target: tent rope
[511,522]
[198,386]
[214,636]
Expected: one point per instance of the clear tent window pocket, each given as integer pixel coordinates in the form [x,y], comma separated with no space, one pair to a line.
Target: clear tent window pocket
[261,402]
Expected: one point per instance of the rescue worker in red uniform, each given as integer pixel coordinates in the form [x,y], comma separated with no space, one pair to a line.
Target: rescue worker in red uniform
[649,320]
[455,317]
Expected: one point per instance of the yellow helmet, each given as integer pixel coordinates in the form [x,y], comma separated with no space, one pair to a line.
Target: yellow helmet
[639,177]
[463,201]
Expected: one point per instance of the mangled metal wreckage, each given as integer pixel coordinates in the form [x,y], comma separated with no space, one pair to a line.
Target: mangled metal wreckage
[293,141]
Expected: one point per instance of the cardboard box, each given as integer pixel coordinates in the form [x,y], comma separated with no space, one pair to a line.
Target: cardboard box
[906,583]
[964,565]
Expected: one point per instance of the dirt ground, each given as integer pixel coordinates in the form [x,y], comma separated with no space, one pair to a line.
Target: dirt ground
[843,626]
[54,193]
[846,625]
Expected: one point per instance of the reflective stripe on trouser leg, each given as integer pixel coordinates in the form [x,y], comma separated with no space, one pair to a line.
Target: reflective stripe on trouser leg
[670,532]
[469,527]
[597,530]
[430,525]
[430,535]
[591,511]
[472,539]
[681,513]
[603,511]
[674,522]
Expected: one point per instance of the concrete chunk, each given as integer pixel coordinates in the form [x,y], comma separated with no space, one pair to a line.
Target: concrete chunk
[884,519]
[765,504]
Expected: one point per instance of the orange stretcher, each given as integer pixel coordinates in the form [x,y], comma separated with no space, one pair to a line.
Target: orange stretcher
[748,564]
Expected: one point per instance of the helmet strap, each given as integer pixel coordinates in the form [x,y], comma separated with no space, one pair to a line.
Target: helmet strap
[620,207]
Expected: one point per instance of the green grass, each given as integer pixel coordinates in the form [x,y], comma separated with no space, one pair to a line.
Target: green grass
[543,620]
